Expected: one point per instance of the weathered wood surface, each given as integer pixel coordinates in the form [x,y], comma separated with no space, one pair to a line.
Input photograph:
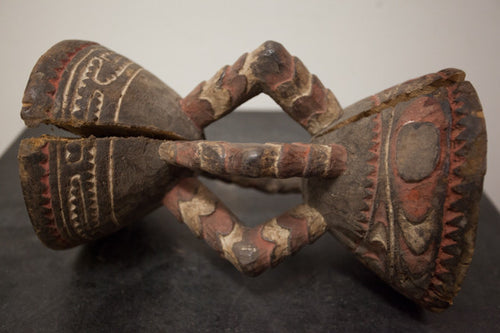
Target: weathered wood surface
[90,90]
[408,163]
[250,250]
[79,190]
[272,70]
[407,204]
[276,160]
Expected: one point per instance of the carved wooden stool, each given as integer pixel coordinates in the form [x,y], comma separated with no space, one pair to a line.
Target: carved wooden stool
[396,177]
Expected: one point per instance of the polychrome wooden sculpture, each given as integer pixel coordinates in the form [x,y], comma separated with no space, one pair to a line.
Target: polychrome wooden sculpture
[396,177]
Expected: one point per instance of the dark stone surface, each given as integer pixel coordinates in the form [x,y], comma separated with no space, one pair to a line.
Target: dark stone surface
[156,276]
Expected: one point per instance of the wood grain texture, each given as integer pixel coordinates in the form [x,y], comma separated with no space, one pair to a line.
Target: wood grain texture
[88,89]
[396,177]
[79,190]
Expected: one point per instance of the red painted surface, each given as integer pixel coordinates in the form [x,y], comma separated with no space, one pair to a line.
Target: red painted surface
[305,107]
[47,198]
[283,69]
[265,249]
[235,83]
[293,156]
[62,66]
[416,198]
[389,94]
[233,157]
[453,180]
[186,153]
[376,100]
[299,234]
[198,110]
[338,159]
[253,252]
[273,71]
[220,222]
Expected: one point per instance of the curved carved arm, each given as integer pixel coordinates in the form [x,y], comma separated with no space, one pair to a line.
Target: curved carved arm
[277,160]
[272,70]
[250,250]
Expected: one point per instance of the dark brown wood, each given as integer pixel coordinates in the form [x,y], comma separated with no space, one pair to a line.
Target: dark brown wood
[81,189]
[91,90]
[408,204]
[409,163]
[78,190]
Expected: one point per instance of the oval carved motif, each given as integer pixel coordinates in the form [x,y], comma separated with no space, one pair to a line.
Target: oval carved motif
[417,151]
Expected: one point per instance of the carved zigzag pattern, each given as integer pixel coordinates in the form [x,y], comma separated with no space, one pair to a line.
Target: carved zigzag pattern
[92,183]
[46,197]
[83,207]
[77,111]
[452,220]
[76,206]
[89,106]
[59,70]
